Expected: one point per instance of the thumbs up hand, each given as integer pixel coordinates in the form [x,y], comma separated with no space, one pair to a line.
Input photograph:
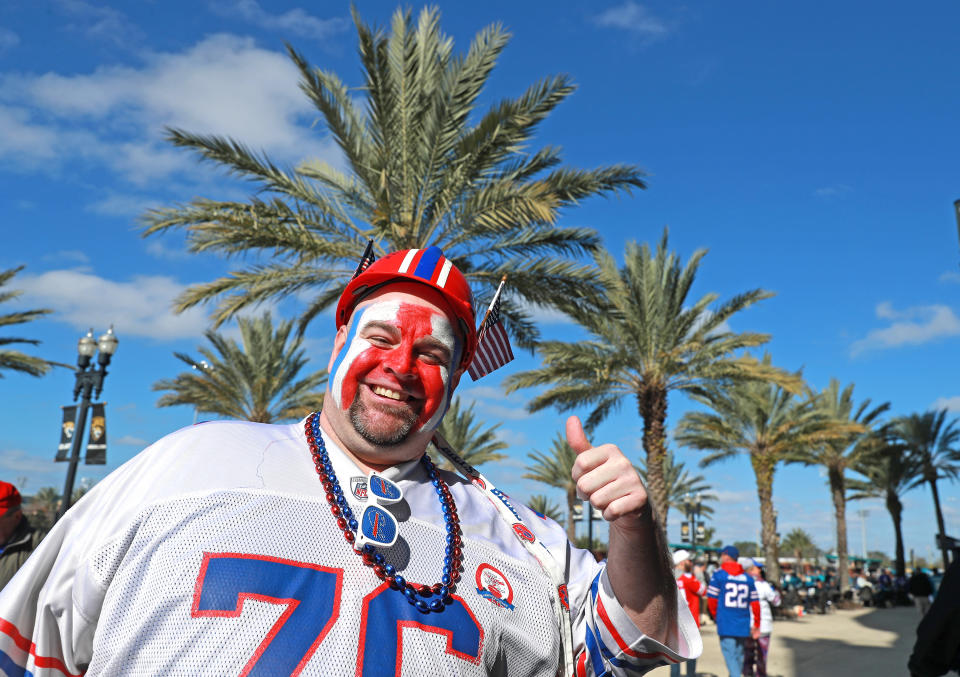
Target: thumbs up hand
[607,479]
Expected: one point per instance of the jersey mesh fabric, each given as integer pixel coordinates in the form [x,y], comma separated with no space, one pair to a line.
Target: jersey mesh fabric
[115,587]
[158,578]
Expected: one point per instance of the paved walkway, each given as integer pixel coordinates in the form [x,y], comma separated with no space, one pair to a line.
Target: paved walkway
[874,642]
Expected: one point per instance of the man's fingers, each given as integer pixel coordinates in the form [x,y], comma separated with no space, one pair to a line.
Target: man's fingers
[576,438]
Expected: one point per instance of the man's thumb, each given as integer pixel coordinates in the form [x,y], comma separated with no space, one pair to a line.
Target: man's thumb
[575,435]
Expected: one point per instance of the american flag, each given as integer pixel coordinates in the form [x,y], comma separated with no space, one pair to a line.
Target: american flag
[493,347]
[367,258]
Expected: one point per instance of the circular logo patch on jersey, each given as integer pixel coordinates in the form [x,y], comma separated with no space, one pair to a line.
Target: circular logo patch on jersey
[524,533]
[492,585]
[479,482]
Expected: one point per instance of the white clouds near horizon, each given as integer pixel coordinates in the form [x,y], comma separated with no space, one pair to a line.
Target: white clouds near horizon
[915,325]
[223,85]
[139,307]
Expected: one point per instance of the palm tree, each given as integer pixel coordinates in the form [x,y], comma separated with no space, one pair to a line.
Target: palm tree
[841,453]
[766,423]
[556,470]
[475,444]
[256,381]
[424,167]
[800,545]
[545,507]
[890,469]
[934,442]
[647,339]
[681,485]
[14,360]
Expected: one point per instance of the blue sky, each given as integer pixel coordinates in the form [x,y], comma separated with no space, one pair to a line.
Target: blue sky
[811,148]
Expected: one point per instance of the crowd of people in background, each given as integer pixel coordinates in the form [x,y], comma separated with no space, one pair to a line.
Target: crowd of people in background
[733,593]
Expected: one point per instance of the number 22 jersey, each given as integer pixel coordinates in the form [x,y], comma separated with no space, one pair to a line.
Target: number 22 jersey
[215,552]
[735,593]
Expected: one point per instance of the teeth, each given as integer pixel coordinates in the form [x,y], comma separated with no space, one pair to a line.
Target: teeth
[385,392]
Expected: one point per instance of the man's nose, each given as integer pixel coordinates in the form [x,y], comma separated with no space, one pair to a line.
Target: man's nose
[400,362]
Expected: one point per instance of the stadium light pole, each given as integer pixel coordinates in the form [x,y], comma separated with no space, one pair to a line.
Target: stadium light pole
[863,534]
[89,384]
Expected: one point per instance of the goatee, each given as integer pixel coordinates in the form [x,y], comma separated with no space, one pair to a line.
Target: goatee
[404,420]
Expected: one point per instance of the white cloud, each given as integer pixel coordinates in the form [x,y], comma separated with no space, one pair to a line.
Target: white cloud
[495,403]
[8,39]
[157,249]
[15,460]
[514,438]
[130,441]
[295,21]
[833,191]
[914,326]
[140,307]
[223,85]
[948,403]
[101,23]
[125,205]
[949,276]
[73,255]
[541,315]
[633,17]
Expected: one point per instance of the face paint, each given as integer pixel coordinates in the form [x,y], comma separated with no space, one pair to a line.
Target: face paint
[385,346]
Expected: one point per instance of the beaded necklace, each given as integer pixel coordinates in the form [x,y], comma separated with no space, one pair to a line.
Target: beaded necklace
[416,593]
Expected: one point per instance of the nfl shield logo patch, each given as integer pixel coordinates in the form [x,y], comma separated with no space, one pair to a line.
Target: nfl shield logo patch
[358,487]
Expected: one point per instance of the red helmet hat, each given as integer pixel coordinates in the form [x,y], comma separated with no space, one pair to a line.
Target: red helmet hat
[9,497]
[427,266]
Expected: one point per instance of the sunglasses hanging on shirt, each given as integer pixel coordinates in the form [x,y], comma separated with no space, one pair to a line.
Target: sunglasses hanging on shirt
[377,526]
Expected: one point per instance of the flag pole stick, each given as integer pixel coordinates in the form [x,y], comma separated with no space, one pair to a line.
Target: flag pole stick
[489,308]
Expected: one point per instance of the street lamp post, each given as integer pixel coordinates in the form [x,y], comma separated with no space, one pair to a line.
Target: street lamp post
[692,505]
[89,383]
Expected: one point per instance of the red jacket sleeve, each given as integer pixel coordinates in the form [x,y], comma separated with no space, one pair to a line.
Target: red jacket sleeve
[712,606]
[755,609]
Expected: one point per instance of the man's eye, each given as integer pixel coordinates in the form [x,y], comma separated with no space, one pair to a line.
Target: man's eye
[432,358]
[379,340]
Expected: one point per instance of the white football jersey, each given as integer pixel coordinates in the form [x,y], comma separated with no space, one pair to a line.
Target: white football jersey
[214,552]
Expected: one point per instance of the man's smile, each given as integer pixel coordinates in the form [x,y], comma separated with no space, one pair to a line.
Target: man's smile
[392,394]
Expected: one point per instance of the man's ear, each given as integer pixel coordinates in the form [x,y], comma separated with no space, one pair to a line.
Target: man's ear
[455,379]
[339,341]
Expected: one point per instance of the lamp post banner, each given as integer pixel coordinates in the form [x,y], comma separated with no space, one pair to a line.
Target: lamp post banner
[67,431]
[97,439]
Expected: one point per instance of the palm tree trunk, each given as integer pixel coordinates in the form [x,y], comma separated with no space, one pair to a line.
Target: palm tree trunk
[895,508]
[838,493]
[941,530]
[764,469]
[571,501]
[652,404]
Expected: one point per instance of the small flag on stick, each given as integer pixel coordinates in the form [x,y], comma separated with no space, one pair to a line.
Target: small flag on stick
[367,258]
[493,345]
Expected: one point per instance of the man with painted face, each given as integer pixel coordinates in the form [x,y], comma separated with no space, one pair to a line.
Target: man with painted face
[334,546]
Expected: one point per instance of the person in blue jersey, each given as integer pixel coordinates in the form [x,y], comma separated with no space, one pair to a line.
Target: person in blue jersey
[731,596]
